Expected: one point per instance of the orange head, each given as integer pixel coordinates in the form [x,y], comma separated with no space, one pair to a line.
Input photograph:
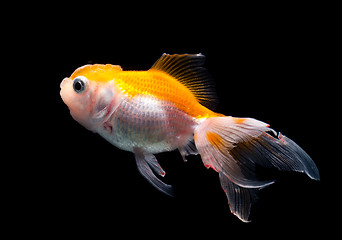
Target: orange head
[90,94]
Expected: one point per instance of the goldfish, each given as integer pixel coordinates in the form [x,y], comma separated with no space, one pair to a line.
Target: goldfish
[168,107]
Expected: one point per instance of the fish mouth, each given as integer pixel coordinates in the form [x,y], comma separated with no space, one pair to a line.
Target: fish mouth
[63,82]
[65,90]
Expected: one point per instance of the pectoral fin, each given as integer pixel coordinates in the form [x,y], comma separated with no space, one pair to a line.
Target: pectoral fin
[144,164]
[153,163]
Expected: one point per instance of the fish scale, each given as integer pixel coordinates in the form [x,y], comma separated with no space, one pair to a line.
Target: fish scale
[165,108]
[151,126]
[158,84]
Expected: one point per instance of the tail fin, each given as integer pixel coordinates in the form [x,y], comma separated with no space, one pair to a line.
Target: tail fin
[233,147]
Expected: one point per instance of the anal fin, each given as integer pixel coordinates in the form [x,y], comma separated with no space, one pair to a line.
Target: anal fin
[188,149]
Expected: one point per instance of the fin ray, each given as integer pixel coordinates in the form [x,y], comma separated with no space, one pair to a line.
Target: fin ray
[216,140]
[153,163]
[188,149]
[144,167]
[188,70]
[240,199]
[236,145]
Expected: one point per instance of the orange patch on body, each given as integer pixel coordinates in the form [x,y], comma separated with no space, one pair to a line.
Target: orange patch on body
[164,87]
[152,83]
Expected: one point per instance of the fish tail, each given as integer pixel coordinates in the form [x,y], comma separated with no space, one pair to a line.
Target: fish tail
[234,146]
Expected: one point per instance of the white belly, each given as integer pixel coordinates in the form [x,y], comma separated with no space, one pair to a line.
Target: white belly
[149,124]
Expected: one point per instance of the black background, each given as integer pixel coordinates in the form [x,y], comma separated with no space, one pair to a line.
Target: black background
[267,64]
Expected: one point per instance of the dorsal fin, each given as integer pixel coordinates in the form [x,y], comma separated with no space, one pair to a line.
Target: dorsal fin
[187,69]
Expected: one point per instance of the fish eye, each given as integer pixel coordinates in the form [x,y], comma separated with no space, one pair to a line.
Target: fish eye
[80,84]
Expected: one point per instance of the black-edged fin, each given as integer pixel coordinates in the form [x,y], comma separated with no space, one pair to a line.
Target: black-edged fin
[144,164]
[187,69]
[240,199]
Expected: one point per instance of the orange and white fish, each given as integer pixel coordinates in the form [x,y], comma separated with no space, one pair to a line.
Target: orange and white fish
[163,109]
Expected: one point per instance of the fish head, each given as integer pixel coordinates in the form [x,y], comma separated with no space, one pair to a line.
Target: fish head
[91,94]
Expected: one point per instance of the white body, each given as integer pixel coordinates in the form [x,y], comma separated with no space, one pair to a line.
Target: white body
[148,124]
